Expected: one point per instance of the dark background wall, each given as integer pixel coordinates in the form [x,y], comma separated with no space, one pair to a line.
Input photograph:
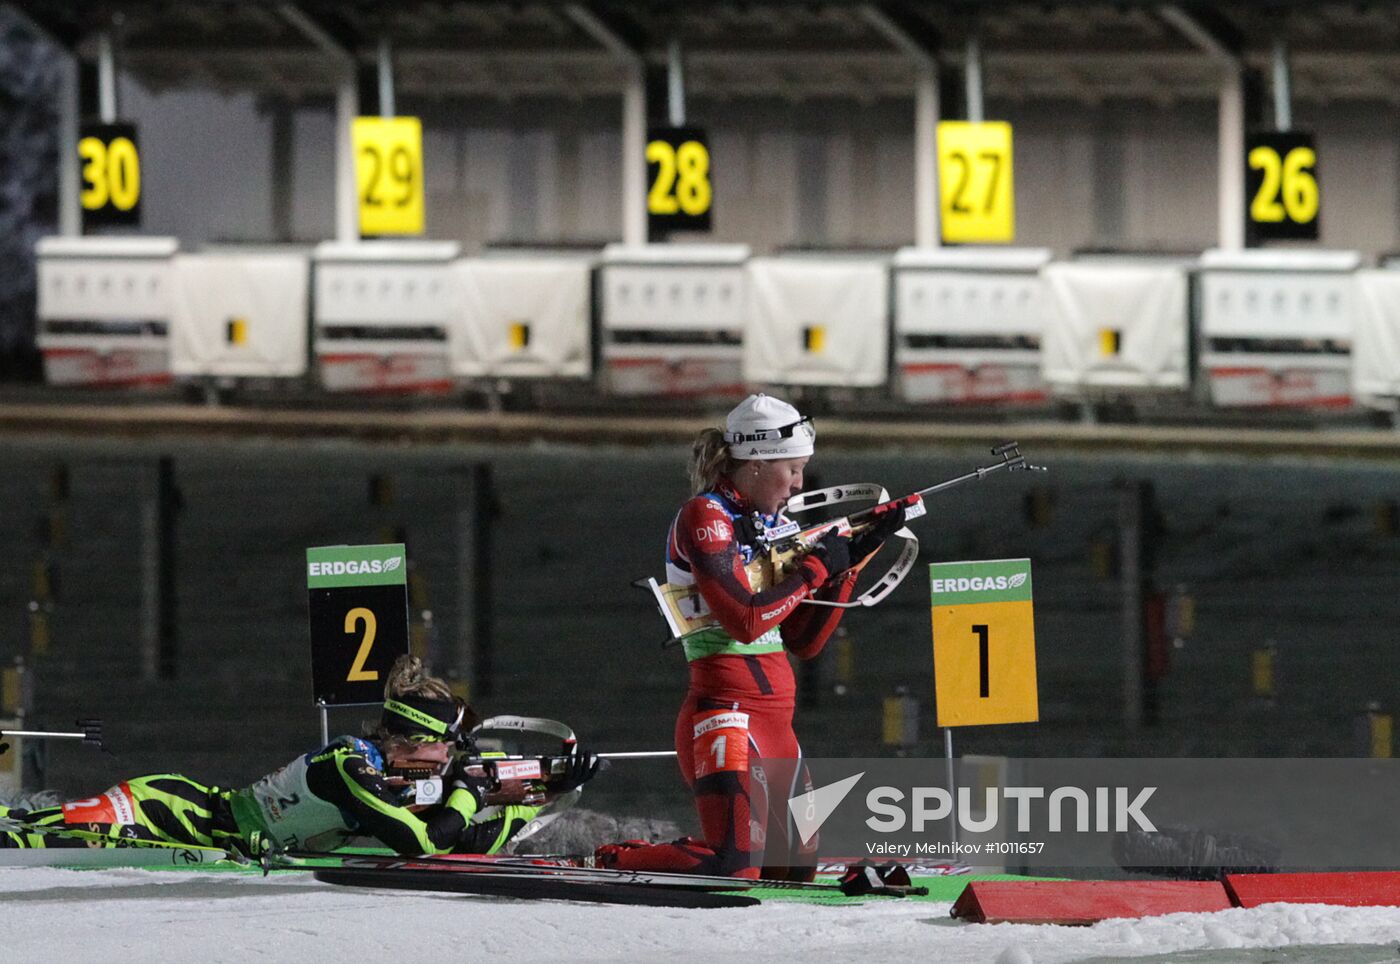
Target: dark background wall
[1290,552]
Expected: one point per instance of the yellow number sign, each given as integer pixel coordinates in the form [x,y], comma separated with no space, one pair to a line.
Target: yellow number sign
[976,198]
[110,168]
[984,642]
[389,174]
[1281,182]
[680,191]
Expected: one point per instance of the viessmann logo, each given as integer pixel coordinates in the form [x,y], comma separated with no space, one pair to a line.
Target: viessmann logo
[979,583]
[354,567]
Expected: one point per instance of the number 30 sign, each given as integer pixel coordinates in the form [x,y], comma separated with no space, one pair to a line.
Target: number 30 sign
[984,642]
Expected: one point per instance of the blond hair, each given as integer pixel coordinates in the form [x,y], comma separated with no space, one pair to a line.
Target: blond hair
[710,460]
[409,677]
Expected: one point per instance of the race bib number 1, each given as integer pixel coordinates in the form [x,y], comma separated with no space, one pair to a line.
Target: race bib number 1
[721,742]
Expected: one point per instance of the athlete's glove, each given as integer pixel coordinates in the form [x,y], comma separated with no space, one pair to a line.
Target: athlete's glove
[885,525]
[834,551]
[459,779]
[582,767]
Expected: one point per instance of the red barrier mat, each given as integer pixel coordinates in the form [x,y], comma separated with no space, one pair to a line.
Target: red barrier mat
[1084,901]
[1380,888]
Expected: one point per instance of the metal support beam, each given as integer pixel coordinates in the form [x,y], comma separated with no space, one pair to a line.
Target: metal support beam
[385,66]
[1283,86]
[634,121]
[1225,51]
[347,108]
[1131,576]
[926,116]
[675,84]
[1231,139]
[973,73]
[107,105]
[471,656]
[159,643]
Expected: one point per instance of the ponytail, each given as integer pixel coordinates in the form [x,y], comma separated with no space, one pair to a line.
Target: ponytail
[409,677]
[710,460]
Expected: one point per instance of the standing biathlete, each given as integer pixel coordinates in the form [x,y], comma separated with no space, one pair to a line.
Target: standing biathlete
[734,737]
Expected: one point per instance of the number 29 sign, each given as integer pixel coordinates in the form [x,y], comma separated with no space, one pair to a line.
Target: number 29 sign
[984,642]
[389,174]
[359,620]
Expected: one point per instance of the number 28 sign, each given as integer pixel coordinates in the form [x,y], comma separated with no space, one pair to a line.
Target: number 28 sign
[359,620]
[984,642]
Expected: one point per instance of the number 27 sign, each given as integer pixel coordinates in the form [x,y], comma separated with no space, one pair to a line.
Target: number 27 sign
[984,642]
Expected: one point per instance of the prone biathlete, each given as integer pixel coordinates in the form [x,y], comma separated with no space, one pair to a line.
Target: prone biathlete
[318,801]
[734,736]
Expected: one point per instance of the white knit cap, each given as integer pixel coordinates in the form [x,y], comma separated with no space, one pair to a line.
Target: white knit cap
[764,427]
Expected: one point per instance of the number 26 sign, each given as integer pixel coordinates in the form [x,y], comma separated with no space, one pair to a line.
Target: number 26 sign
[984,642]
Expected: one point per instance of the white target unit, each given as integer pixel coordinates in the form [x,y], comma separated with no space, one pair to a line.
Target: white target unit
[1375,372]
[818,320]
[1276,327]
[672,318]
[968,324]
[523,316]
[104,309]
[1116,325]
[381,315]
[241,313]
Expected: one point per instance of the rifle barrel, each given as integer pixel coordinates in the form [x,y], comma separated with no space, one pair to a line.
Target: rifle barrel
[637,754]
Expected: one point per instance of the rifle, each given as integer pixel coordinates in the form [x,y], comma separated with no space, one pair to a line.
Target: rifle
[531,779]
[780,549]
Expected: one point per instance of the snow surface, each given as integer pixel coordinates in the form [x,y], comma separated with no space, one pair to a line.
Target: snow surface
[134,915]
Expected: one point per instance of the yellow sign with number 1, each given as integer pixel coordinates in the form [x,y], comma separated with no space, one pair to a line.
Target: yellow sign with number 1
[977,203]
[389,174]
[984,642]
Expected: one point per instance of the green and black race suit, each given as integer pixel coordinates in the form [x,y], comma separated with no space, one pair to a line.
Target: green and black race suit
[317,802]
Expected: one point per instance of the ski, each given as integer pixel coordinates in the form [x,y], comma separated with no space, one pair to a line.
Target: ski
[554,868]
[566,868]
[513,883]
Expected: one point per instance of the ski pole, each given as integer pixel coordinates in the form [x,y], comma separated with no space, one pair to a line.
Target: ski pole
[637,754]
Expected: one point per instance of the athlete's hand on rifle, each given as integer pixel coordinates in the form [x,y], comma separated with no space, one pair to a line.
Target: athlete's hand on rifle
[477,784]
[582,766]
[870,540]
[834,551]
